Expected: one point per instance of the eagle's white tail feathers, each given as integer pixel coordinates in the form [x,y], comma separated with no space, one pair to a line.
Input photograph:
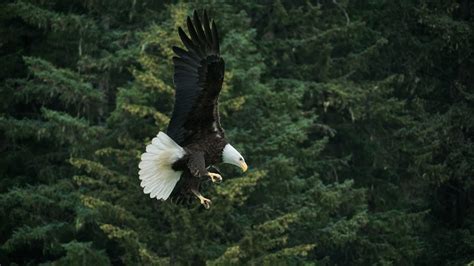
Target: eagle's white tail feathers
[158,178]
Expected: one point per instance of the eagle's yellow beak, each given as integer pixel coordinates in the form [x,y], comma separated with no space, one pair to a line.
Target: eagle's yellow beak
[244,166]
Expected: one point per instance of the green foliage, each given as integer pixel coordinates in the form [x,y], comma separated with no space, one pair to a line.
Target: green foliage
[61,85]
[79,253]
[354,117]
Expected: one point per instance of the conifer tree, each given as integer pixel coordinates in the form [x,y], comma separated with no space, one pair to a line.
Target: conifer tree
[354,117]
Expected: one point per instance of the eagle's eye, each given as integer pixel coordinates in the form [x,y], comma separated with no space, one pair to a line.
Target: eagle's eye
[241,159]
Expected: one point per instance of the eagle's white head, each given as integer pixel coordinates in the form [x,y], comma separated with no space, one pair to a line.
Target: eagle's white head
[231,156]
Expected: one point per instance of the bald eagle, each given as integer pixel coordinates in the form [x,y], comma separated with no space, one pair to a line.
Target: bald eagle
[195,140]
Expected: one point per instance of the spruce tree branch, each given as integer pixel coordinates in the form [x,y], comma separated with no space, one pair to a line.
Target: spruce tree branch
[343,11]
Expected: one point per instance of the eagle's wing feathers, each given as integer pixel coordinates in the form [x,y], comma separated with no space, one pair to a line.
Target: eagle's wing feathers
[198,77]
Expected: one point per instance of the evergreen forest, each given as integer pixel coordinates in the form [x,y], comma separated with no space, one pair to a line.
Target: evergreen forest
[356,119]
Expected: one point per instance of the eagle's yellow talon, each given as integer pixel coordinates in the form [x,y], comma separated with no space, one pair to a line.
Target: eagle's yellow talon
[204,201]
[215,178]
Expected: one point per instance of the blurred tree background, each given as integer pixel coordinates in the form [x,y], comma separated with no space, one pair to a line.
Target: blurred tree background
[356,118]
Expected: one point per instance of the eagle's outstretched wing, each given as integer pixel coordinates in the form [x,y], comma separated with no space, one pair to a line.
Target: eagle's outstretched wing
[198,77]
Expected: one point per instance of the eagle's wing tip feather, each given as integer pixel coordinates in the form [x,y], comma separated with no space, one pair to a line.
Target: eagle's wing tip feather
[192,77]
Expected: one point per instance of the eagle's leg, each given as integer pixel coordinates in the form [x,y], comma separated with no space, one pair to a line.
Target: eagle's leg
[215,178]
[204,201]
[197,166]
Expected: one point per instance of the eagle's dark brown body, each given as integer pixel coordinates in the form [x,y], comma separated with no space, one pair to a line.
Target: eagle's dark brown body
[210,149]
[199,156]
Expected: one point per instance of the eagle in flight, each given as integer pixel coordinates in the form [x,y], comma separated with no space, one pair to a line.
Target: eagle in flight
[195,140]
